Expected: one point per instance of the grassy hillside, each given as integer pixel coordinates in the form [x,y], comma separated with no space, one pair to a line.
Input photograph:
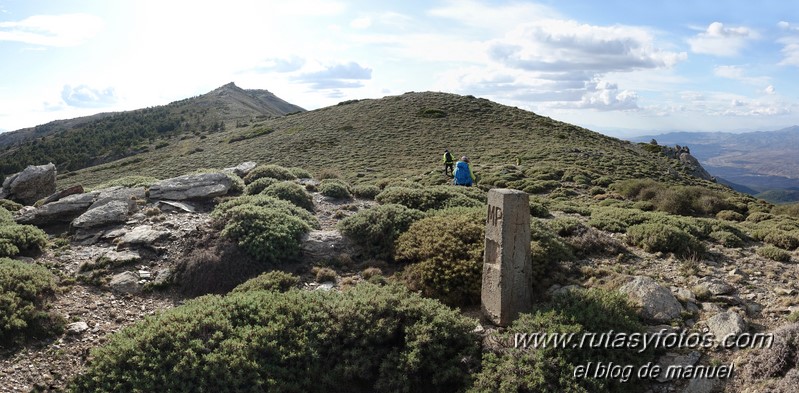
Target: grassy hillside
[80,143]
[405,136]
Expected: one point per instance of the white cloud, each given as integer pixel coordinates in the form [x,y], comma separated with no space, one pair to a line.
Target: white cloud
[790,49]
[338,76]
[770,90]
[738,73]
[719,40]
[484,15]
[361,23]
[52,30]
[84,96]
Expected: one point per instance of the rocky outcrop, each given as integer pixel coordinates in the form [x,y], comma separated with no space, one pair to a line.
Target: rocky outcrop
[657,303]
[242,169]
[30,185]
[112,212]
[78,189]
[61,211]
[725,325]
[205,185]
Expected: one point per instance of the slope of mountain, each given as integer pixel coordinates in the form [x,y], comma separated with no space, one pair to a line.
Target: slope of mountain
[761,161]
[402,136]
[78,143]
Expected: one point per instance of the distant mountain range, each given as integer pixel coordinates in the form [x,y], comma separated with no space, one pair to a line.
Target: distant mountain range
[763,163]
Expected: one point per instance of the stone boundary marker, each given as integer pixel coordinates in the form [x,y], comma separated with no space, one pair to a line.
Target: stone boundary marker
[507,266]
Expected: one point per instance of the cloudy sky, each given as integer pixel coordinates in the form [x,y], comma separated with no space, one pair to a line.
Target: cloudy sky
[621,67]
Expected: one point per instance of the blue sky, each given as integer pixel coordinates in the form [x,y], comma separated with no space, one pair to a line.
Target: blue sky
[618,67]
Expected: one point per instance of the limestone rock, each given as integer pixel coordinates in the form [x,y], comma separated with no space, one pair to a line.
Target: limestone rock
[77,328]
[205,185]
[124,194]
[113,212]
[242,169]
[714,287]
[657,303]
[143,235]
[61,211]
[725,324]
[126,282]
[30,185]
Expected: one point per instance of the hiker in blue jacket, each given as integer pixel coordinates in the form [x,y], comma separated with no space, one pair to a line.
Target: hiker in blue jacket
[463,173]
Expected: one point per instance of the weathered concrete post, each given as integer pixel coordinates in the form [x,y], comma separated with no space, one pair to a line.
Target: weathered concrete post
[507,268]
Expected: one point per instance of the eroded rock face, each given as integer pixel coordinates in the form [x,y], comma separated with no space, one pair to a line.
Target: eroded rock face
[206,185]
[113,212]
[657,302]
[242,169]
[61,211]
[30,185]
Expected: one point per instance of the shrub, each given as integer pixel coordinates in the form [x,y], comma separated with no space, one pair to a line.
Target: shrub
[130,182]
[758,217]
[446,251]
[366,191]
[730,215]
[376,229]
[366,339]
[538,209]
[237,185]
[213,264]
[274,281]
[774,253]
[291,192]
[269,235]
[781,239]
[546,250]
[334,188]
[21,239]
[300,173]
[327,174]
[774,369]
[258,185]
[657,237]
[324,274]
[437,197]
[370,272]
[550,368]
[6,217]
[274,171]
[24,290]
[221,210]
[727,239]
[565,226]
[615,219]
[10,206]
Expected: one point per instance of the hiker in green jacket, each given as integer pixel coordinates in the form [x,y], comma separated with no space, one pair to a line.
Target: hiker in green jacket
[448,162]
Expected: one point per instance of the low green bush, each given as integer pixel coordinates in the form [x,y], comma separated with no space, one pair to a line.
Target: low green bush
[538,209]
[565,226]
[274,281]
[376,229]
[269,235]
[658,237]
[730,215]
[429,198]
[258,185]
[335,188]
[25,289]
[758,217]
[21,239]
[221,210]
[9,206]
[446,255]
[291,192]
[130,182]
[614,219]
[366,339]
[774,253]
[274,171]
[680,200]
[300,173]
[547,249]
[782,239]
[6,217]
[550,368]
[366,191]
[727,239]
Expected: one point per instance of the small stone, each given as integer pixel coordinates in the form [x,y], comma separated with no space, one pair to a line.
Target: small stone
[784,291]
[76,328]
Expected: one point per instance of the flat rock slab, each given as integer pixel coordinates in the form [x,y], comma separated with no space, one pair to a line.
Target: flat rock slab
[205,185]
[112,212]
[242,169]
[125,282]
[726,324]
[657,302]
[143,235]
[61,211]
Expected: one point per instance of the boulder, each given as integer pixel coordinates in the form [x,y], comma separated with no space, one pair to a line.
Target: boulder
[124,194]
[143,235]
[657,303]
[61,211]
[242,169]
[205,185]
[125,282]
[321,245]
[113,212]
[77,328]
[64,193]
[726,324]
[30,185]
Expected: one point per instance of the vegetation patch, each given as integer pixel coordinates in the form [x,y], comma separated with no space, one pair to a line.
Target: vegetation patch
[657,237]
[366,191]
[292,192]
[252,133]
[376,229]
[17,239]
[335,188]
[774,253]
[24,291]
[274,171]
[446,255]
[512,368]
[131,181]
[429,198]
[257,186]
[274,281]
[367,339]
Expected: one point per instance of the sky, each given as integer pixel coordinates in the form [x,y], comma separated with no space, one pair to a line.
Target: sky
[622,68]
